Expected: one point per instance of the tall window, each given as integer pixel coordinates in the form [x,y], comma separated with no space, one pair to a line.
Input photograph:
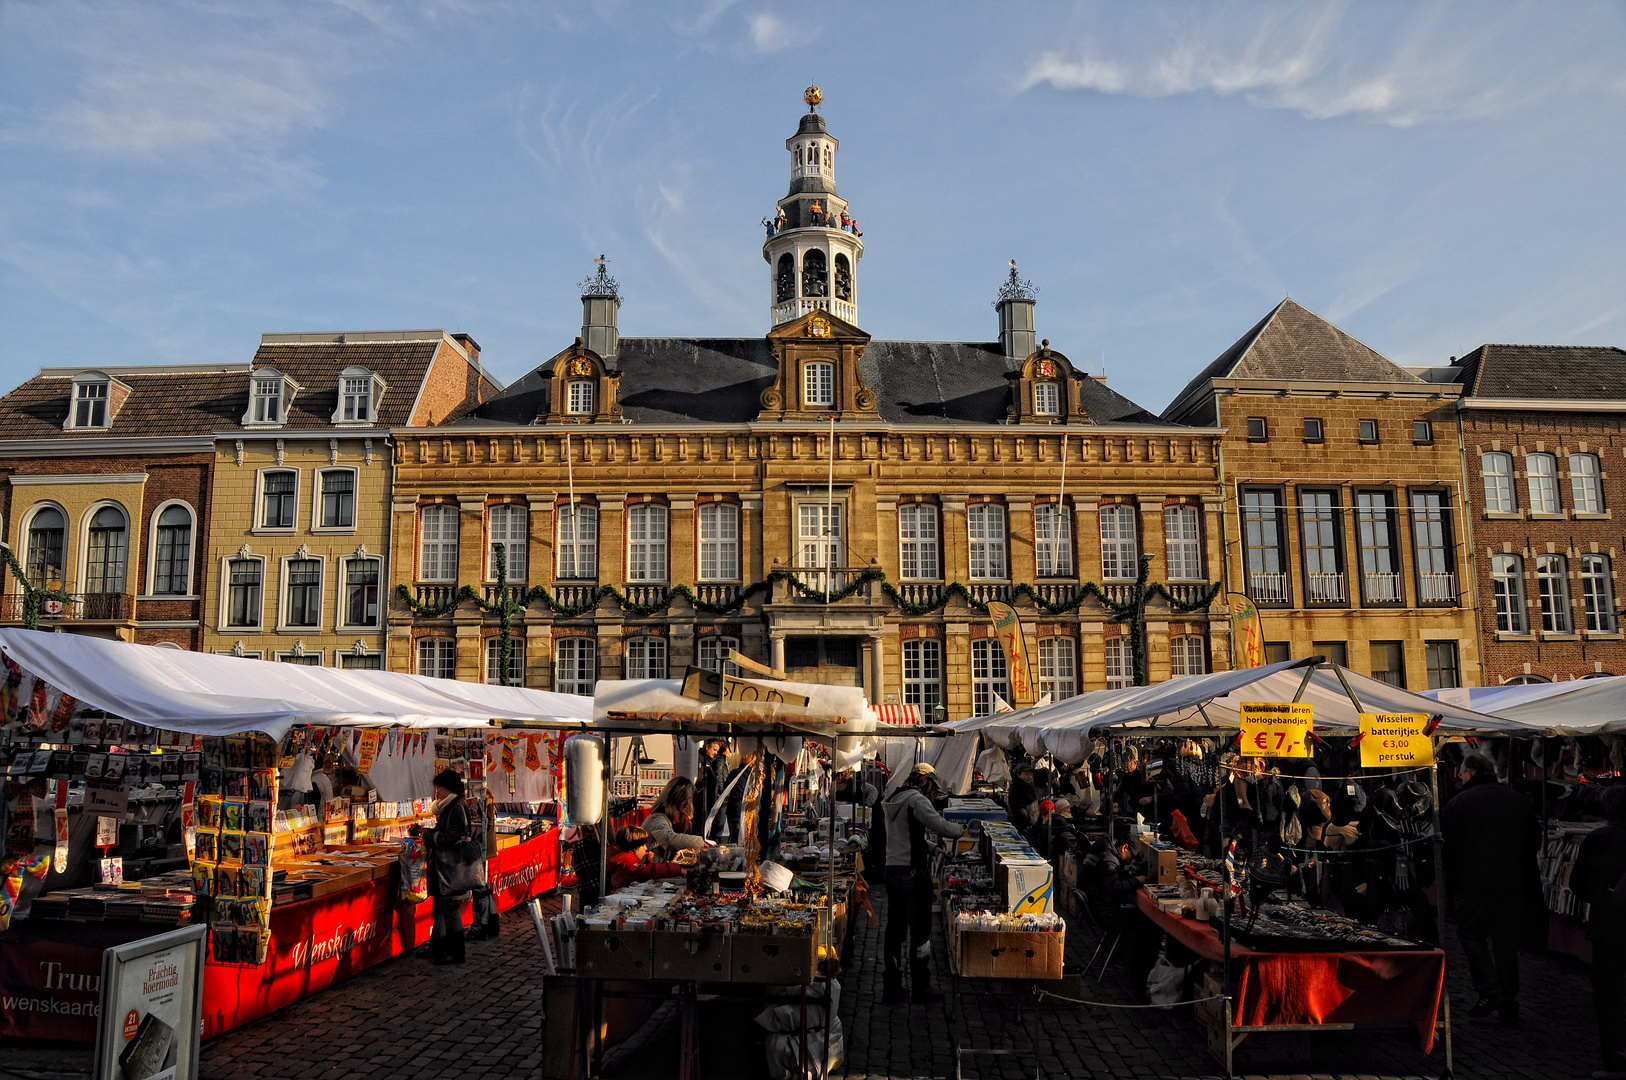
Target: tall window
[1188,655]
[713,650]
[923,676]
[304,604]
[578,542]
[1389,663]
[1318,521]
[1120,557]
[46,532]
[1380,574]
[266,407]
[1120,663]
[1053,540]
[985,524]
[437,548]
[109,547]
[1552,585]
[646,543]
[1586,490]
[437,657]
[1541,476]
[172,561]
[516,661]
[356,399]
[988,676]
[361,592]
[819,384]
[1431,544]
[580,399]
[1441,657]
[917,541]
[277,493]
[90,404]
[719,542]
[244,580]
[1497,470]
[818,535]
[339,499]
[646,657]
[1058,667]
[1262,545]
[573,664]
[1182,543]
[1507,581]
[509,526]
[1046,399]
[1598,597]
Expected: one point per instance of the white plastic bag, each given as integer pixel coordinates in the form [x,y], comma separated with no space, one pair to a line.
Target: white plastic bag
[1165,983]
[785,1053]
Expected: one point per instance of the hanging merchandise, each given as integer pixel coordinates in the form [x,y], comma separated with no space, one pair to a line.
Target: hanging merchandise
[532,760]
[64,711]
[10,691]
[36,705]
[371,740]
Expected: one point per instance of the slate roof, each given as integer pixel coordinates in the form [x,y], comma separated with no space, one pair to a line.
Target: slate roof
[720,381]
[1555,372]
[1292,343]
[315,366]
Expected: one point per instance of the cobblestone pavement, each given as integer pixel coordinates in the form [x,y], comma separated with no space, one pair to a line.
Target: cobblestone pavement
[409,1019]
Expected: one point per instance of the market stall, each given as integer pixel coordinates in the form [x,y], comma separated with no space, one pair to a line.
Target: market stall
[149,787]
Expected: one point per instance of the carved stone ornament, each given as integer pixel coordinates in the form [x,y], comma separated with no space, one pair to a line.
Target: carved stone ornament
[771,398]
[865,398]
[361,550]
[282,450]
[237,648]
[239,449]
[367,449]
[359,648]
[304,550]
[243,552]
[333,451]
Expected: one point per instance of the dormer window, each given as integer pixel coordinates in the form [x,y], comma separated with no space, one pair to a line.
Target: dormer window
[90,403]
[1046,399]
[819,384]
[359,391]
[580,401]
[266,404]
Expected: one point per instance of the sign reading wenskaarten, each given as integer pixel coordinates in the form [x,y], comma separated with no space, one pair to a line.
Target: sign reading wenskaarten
[1276,728]
[1395,740]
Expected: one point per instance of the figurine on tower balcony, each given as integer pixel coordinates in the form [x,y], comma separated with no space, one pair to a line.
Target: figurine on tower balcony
[781,222]
[846,222]
[767,223]
[817,211]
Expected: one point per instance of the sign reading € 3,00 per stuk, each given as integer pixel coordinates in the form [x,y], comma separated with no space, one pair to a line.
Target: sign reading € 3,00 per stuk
[1395,739]
[1276,728]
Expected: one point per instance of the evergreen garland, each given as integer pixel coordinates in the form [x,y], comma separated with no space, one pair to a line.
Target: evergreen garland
[34,597]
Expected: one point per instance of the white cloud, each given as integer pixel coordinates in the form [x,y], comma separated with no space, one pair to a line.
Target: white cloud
[769,33]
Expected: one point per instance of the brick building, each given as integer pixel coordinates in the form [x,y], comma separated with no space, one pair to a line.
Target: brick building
[1544,437]
[1343,515]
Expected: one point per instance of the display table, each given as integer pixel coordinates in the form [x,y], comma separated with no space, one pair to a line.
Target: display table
[1283,989]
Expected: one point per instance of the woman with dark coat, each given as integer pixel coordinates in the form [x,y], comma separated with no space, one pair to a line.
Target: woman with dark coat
[451,827]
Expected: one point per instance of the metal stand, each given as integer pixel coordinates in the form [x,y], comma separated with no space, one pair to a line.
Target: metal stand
[957,1021]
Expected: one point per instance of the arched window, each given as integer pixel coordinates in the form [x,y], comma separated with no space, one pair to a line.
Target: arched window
[46,534]
[844,279]
[815,274]
[829,156]
[1552,580]
[172,553]
[1585,486]
[798,153]
[1541,476]
[106,553]
[785,279]
[1507,581]
[1497,469]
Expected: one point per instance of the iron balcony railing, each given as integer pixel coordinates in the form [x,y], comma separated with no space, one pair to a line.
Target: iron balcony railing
[1267,588]
[1325,589]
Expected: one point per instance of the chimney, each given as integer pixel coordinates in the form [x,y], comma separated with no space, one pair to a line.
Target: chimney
[1015,306]
[601,303]
[470,346]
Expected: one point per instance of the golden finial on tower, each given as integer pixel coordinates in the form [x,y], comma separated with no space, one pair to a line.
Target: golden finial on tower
[813,95]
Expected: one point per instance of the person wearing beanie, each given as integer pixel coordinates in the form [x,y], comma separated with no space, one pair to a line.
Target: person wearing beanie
[446,941]
[909,817]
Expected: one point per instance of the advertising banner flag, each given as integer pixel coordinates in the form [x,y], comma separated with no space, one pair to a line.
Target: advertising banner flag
[1009,629]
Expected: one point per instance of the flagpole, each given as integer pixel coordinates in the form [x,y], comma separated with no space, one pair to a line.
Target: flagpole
[1061,497]
[829,511]
[570,475]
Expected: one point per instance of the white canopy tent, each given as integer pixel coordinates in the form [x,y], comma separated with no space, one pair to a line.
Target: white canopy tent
[1583,707]
[207,694]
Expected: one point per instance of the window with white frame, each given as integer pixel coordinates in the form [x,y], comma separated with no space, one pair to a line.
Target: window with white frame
[719,542]
[574,662]
[437,543]
[1586,488]
[338,498]
[1541,477]
[245,580]
[361,591]
[1053,540]
[1598,596]
[363,661]
[1058,667]
[1046,399]
[355,397]
[1497,470]
[818,535]
[646,657]
[516,661]
[279,493]
[301,658]
[437,657]
[47,537]
[985,527]
[107,551]
[1507,582]
[578,542]
[918,542]
[1553,587]
[923,676]
[988,677]
[713,651]
[302,600]
[508,527]
[265,404]
[172,552]
[646,542]
[90,403]
[1120,663]
[580,398]
[1188,655]
[1120,556]
[819,384]
[1182,543]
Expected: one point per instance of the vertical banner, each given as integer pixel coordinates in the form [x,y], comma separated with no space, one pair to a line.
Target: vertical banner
[1009,629]
[1247,634]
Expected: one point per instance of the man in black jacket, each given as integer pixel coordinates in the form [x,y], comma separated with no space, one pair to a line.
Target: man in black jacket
[1491,840]
[909,817]
[1600,864]
[708,786]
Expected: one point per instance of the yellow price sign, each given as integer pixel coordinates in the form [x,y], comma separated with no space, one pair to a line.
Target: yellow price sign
[1276,728]
[1395,739]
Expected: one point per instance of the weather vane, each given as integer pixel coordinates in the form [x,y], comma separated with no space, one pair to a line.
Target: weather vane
[813,95]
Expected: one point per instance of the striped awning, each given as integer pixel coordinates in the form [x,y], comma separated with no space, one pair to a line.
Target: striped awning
[897,714]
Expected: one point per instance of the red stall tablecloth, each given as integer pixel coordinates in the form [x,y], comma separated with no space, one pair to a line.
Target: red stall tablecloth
[1400,986]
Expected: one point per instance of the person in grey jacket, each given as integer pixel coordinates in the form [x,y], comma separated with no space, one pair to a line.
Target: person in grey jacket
[909,817]
[670,819]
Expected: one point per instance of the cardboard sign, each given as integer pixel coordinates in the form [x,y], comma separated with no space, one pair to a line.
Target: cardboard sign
[1276,728]
[1395,739]
[111,800]
[703,685]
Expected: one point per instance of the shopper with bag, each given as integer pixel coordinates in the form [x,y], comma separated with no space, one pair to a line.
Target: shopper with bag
[454,868]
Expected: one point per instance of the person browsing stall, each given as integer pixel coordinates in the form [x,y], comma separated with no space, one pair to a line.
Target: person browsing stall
[671,818]
[440,841]
[909,817]
[632,861]
[1598,867]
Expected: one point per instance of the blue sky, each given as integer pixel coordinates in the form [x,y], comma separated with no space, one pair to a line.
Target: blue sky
[177,178]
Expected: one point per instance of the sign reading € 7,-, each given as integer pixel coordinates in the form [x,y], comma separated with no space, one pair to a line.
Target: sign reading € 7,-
[1276,729]
[1395,739]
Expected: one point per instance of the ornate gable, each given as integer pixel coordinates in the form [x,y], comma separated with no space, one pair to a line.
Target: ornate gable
[1046,389]
[818,356]
[582,388]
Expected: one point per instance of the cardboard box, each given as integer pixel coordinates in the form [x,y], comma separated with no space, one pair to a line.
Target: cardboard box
[614,954]
[1000,954]
[702,955]
[1161,866]
[774,959]
[1029,885]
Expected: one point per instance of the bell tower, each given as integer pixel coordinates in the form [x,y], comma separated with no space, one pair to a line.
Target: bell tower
[813,243]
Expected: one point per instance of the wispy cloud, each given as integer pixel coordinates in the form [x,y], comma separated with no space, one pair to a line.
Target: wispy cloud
[769,33]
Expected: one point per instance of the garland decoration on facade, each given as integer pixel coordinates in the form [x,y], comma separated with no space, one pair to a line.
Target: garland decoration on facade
[34,597]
